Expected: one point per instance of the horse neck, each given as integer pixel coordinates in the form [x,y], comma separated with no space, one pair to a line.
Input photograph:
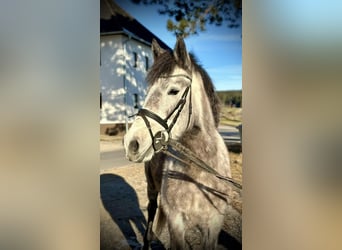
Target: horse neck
[203,130]
[203,115]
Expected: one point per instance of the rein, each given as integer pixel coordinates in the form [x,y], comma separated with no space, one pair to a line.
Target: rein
[188,154]
[161,140]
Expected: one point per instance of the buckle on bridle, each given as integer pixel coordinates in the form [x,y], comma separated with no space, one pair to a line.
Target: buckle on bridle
[160,141]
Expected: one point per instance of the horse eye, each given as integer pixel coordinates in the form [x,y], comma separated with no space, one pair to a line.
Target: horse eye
[173,92]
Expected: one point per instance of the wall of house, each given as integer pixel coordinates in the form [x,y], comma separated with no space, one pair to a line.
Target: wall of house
[123,72]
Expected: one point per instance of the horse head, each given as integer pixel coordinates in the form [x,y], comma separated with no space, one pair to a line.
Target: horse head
[167,110]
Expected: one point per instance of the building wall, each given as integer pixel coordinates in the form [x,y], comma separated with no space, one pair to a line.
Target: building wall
[123,72]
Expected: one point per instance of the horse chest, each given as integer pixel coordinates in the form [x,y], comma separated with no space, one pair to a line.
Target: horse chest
[189,189]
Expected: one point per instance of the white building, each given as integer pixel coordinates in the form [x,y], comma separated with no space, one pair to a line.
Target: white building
[125,58]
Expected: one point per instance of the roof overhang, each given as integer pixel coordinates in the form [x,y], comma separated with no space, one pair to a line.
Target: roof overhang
[127,33]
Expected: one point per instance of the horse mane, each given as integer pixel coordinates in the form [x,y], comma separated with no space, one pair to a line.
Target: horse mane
[164,65]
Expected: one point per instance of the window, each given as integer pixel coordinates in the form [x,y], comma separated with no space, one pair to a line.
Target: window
[136,101]
[100,100]
[146,63]
[135,55]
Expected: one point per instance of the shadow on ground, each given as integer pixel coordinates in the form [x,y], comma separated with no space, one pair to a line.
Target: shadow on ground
[120,201]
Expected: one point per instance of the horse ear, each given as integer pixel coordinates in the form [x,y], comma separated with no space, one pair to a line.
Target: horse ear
[181,55]
[156,49]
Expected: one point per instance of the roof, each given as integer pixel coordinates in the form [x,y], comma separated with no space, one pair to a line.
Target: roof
[115,20]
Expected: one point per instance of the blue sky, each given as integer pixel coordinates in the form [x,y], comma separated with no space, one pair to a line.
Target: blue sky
[218,49]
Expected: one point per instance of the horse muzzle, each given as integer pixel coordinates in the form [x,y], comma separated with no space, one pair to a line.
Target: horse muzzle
[138,145]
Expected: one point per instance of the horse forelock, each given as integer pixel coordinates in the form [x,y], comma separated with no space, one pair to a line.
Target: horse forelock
[165,64]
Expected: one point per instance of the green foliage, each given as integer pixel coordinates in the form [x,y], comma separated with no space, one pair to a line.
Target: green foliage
[231,98]
[190,17]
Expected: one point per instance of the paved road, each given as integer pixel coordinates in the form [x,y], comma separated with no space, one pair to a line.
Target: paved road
[113,158]
[229,133]
[112,153]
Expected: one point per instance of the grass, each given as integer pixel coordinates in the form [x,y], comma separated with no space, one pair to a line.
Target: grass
[230,116]
[236,166]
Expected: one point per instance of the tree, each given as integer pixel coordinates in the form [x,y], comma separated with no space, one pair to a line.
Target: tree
[190,17]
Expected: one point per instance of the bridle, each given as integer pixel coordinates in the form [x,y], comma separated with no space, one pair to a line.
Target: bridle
[161,137]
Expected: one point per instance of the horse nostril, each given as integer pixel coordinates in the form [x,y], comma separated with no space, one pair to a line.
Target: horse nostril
[133,146]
